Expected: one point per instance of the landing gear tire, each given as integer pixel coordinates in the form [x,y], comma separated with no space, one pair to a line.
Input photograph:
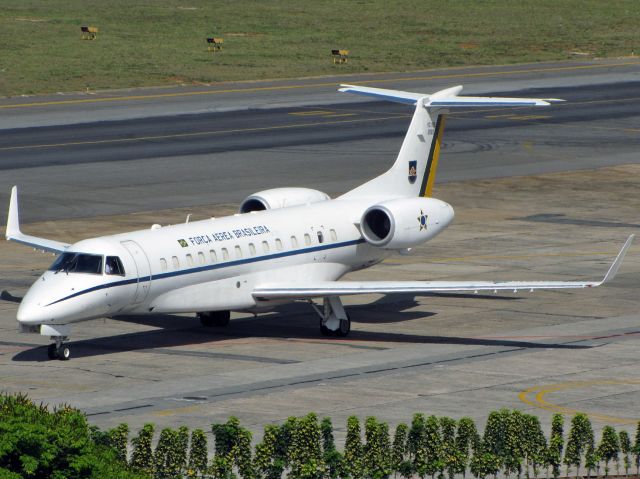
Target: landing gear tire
[324,330]
[215,319]
[58,350]
[345,327]
[52,351]
[64,353]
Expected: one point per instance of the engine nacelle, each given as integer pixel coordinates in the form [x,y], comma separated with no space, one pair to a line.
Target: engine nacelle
[281,198]
[405,222]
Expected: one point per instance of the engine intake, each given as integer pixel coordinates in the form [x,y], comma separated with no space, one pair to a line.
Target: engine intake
[405,222]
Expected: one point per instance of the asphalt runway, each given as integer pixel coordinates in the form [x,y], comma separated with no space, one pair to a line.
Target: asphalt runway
[544,194]
[122,165]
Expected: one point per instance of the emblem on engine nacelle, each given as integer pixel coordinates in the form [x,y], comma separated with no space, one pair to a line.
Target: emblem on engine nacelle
[413,172]
[422,219]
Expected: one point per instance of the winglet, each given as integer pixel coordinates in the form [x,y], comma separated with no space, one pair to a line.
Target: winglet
[618,261]
[13,220]
[13,232]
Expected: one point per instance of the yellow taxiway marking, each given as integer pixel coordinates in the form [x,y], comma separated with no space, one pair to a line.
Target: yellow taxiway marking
[177,410]
[321,113]
[334,115]
[528,117]
[199,133]
[539,400]
[316,85]
[312,113]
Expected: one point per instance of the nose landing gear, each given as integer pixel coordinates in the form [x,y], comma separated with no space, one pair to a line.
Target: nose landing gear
[59,350]
[215,319]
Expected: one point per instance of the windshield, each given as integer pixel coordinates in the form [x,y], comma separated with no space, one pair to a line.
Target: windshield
[78,263]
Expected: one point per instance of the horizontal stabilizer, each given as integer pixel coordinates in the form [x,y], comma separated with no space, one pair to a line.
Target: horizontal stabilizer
[13,232]
[344,288]
[445,98]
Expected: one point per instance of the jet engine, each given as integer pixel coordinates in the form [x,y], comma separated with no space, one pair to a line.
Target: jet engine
[281,198]
[404,222]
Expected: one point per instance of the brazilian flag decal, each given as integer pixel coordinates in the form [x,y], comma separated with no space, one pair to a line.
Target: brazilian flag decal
[183,243]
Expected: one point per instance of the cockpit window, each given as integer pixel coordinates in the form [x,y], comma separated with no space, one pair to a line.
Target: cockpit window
[78,263]
[113,265]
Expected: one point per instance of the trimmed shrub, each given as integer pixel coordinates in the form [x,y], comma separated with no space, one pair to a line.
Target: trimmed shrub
[399,462]
[142,455]
[609,447]
[266,462]
[305,454]
[198,454]
[377,451]
[352,462]
[556,444]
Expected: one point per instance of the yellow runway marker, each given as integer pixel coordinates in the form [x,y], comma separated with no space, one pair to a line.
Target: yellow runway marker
[539,400]
[317,85]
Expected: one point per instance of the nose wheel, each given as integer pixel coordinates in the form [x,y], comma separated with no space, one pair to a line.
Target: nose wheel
[59,350]
[215,319]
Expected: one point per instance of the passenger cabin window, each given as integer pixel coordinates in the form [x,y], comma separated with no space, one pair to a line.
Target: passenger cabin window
[225,254]
[320,237]
[307,239]
[113,265]
[265,246]
[334,236]
[238,252]
[294,242]
[214,256]
[78,263]
[201,259]
[163,264]
[252,249]
[278,244]
[176,262]
[189,259]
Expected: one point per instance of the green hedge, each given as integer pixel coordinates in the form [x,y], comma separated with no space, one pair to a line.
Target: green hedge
[41,443]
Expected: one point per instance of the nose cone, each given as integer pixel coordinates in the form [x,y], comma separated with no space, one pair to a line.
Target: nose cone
[31,310]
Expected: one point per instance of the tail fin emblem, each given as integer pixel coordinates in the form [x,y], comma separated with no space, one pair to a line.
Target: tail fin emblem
[413,172]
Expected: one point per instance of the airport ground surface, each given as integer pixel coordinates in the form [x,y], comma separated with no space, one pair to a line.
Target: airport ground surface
[537,197]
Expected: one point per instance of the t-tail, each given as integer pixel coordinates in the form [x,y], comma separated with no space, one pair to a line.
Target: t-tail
[414,171]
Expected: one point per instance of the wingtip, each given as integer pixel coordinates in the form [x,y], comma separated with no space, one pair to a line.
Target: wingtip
[615,266]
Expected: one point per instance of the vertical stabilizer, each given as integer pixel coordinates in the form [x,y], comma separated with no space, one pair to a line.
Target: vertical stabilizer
[414,171]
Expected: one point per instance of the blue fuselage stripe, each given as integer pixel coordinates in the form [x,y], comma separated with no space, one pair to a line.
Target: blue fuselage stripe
[211,267]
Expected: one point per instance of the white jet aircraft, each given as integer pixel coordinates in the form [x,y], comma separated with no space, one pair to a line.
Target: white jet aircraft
[285,244]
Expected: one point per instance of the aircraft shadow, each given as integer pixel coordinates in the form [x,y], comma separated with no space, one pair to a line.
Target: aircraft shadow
[293,321]
[7,296]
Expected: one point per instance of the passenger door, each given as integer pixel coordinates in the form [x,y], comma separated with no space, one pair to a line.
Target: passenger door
[143,272]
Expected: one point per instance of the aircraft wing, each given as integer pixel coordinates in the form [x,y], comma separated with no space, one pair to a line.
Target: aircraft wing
[14,234]
[298,290]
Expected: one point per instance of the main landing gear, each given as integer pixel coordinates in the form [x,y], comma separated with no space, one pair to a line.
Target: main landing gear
[59,350]
[334,320]
[215,319]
